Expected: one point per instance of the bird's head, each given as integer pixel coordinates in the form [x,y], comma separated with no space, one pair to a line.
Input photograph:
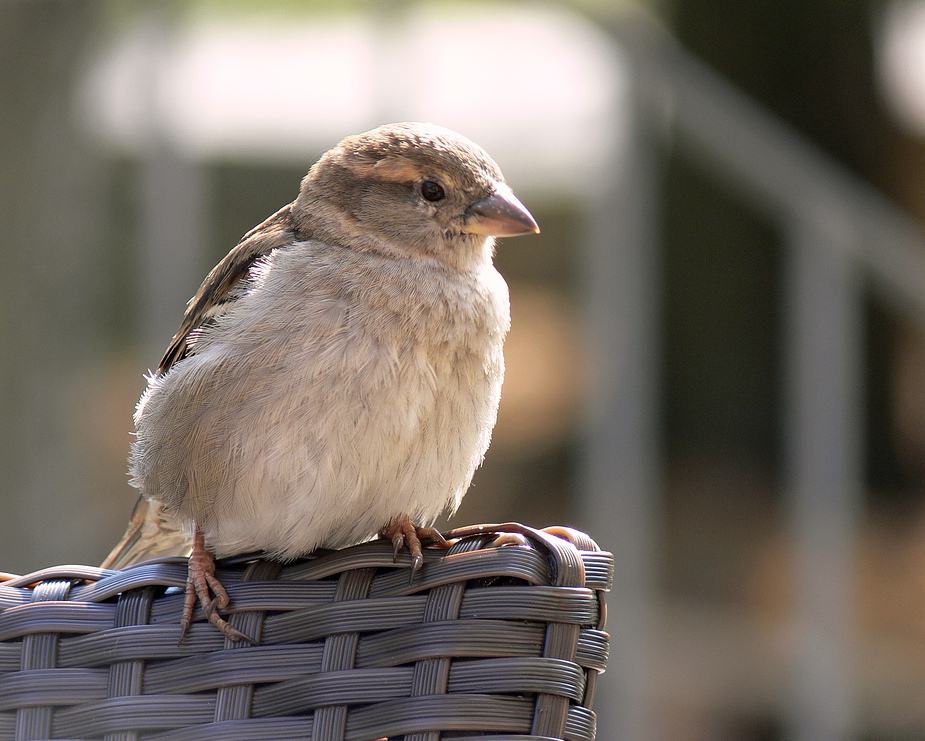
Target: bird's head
[411,190]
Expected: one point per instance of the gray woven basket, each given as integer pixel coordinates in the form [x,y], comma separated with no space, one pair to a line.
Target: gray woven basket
[498,639]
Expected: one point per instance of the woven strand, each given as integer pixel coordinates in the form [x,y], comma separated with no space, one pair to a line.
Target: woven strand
[126,677]
[340,655]
[431,675]
[39,651]
[233,701]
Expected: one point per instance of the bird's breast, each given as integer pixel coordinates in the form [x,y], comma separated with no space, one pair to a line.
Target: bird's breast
[334,394]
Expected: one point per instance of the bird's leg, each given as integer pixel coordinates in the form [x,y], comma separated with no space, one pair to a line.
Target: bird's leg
[201,584]
[403,532]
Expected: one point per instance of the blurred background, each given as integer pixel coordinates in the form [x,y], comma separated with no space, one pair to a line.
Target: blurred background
[717,363]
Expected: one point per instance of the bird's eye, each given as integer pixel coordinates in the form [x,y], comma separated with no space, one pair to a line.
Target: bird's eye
[431,190]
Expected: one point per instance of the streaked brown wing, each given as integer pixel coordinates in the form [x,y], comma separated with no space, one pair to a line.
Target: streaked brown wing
[151,532]
[214,292]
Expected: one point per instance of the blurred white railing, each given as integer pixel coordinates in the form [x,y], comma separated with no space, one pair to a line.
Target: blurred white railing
[837,230]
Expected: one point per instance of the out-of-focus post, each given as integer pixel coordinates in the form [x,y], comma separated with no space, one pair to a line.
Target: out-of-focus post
[825,473]
[622,461]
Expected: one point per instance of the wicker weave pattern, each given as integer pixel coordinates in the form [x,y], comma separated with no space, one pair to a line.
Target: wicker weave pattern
[500,639]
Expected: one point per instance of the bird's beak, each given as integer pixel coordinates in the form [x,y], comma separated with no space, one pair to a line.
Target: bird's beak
[500,215]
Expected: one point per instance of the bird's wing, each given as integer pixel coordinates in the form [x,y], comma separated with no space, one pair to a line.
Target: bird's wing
[216,290]
[151,532]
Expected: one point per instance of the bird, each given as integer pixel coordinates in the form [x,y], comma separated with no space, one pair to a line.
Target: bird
[337,375]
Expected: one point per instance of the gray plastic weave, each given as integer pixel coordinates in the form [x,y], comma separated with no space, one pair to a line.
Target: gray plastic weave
[500,638]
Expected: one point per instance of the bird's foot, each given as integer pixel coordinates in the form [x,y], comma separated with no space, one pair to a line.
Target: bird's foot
[201,585]
[403,532]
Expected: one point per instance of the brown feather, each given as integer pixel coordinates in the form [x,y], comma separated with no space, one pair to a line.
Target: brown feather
[149,524]
[150,533]
[260,241]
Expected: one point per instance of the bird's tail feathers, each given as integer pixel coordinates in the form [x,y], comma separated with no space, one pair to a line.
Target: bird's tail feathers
[151,533]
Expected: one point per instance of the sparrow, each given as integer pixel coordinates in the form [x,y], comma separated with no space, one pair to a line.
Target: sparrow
[337,375]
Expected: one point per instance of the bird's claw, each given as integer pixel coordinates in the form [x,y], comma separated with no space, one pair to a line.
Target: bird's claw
[404,533]
[203,586]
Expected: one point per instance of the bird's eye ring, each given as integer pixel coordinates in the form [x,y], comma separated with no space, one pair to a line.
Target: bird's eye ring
[432,191]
